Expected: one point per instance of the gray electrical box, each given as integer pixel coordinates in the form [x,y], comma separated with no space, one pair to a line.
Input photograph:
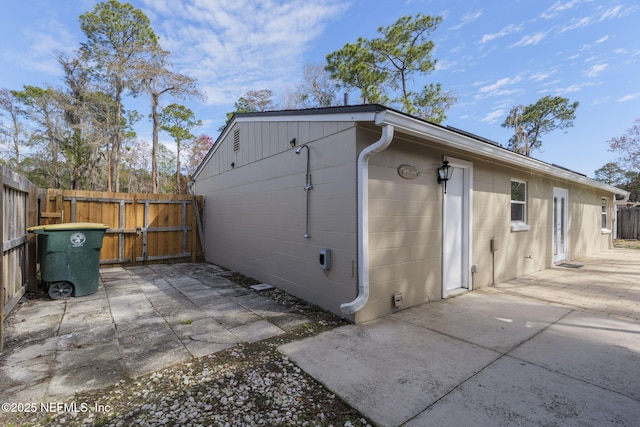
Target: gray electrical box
[325,258]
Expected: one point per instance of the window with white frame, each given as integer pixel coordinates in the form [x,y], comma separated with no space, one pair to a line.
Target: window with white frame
[519,206]
[603,203]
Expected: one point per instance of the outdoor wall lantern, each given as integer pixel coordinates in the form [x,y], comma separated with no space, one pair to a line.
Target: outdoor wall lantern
[444,174]
[292,142]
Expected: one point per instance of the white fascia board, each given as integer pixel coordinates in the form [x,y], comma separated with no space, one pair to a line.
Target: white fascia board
[453,139]
[337,117]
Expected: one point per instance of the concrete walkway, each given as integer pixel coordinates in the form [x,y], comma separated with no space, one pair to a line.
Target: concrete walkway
[558,347]
[141,319]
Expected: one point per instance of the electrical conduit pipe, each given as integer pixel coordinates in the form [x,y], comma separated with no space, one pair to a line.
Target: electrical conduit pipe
[363,217]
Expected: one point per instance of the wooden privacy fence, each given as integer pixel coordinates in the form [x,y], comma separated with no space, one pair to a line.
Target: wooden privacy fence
[142,227]
[629,223]
[18,207]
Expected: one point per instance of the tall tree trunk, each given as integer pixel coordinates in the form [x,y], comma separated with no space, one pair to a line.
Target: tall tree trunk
[178,188]
[114,184]
[154,146]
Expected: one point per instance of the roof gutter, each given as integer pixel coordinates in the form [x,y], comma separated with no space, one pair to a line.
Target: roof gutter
[422,129]
[363,214]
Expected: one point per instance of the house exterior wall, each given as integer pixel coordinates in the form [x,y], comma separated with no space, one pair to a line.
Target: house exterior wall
[523,252]
[405,224]
[255,213]
[405,228]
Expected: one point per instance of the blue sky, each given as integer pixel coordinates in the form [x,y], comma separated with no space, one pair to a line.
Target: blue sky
[492,54]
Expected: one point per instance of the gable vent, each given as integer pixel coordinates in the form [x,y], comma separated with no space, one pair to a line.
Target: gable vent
[236,140]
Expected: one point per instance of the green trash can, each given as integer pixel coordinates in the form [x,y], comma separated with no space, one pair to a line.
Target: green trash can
[70,257]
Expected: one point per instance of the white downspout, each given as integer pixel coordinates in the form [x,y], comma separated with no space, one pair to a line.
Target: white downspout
[363,219]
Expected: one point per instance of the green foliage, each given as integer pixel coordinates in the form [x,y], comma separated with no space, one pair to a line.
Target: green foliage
[252,101]
[632,185]
[610,174]
[531,122]
[242,105]
[384,68]
[117,35]
[432,103]
[119,41]
[178,121]
[80,135]
[355,66]
[613,174]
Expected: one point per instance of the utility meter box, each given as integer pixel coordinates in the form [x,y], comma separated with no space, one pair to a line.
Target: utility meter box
[325,258]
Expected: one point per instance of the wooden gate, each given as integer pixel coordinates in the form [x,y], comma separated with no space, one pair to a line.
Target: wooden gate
[142,227]
[18,207]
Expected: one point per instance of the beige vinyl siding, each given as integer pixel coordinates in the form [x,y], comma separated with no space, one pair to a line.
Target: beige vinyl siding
[255,213]
[405,225]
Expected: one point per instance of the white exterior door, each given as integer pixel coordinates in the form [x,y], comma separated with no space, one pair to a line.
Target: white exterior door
[456,229]
[560,226]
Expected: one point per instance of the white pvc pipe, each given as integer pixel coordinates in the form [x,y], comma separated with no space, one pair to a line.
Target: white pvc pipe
[363,219]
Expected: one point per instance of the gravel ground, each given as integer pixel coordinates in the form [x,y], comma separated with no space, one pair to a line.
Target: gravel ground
[247,385]
[628,244]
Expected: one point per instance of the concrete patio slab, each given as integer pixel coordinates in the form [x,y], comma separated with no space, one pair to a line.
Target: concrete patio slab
[142,319]
[256,331]
[558,347]
[510,392]
[590,348]
[496,322]
[389,370]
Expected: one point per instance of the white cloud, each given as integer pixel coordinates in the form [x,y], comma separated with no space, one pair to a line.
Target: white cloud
[467,18]
[507,81]
[542,75]
[529,40]
[509,29]
[232,46]
[42,43]
[493,116]
[557,8]
[576,23]
[629,97]
[568,89]
[499,88]
[594,70]
[614,12]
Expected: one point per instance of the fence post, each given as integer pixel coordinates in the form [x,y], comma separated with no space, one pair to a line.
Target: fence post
[32,220]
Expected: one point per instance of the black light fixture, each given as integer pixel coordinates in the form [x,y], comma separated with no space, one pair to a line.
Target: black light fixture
[292,142]
[444,174]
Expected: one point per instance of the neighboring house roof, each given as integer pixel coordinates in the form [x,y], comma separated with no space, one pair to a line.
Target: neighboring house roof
[446,135]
